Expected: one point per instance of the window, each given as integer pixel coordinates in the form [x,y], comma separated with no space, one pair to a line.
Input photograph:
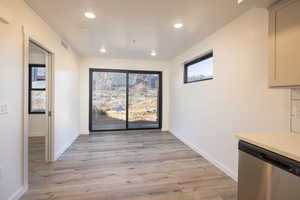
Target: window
[199,69]
[124,100]
[37,89]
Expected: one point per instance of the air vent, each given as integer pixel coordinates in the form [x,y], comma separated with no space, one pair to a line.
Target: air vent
[4,21]
[65,45]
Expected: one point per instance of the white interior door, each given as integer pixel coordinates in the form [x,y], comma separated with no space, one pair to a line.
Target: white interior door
[49,112]
[40,95]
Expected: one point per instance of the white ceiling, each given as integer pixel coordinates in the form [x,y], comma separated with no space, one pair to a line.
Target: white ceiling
[148,22]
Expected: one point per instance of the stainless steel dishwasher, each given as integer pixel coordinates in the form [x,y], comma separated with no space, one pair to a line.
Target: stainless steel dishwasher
[265,175]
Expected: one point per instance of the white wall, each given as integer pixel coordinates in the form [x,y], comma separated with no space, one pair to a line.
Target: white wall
[86,63]
[11,123]
[206,115]
[38,125]
[11,89]
[37,58]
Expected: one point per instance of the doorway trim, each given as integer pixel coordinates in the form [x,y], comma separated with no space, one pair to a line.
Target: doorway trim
[27,38]
[160,93]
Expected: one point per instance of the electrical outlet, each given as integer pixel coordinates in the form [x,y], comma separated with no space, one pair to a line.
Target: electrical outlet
[296,94]
[3,109]
[296,109]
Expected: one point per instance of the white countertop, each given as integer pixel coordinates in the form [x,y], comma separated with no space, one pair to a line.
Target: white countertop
[286,144]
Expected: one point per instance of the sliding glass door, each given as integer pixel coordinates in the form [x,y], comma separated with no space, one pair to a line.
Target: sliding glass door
[108,100]
[143,100]
[124,100]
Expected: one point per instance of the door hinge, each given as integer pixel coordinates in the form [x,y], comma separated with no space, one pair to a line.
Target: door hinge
[49,113]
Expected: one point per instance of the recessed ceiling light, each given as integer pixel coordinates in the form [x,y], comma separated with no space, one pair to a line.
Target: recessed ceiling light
[103,50]
[153,53]
[89,15]
[178,25]
[240,1]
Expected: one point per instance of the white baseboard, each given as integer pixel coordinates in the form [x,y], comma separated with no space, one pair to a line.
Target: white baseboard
[84,132]
[18,194]
[64,148]
[87,132]
[208,157]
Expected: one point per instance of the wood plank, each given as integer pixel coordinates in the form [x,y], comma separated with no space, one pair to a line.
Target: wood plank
[135,166]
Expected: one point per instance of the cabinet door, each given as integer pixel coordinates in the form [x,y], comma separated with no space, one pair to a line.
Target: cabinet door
[285,44]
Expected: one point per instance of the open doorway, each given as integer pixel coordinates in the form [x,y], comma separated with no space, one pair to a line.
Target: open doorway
[39,107]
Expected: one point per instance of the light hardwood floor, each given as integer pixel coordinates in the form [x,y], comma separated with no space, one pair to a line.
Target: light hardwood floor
[131,166]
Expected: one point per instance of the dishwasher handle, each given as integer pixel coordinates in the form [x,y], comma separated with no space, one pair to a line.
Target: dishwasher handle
[275,159]
[277,162]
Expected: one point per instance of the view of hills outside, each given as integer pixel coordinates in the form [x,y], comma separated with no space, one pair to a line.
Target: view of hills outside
[201,70]
[109,100]
[143,100]
[38,97]
[38,101]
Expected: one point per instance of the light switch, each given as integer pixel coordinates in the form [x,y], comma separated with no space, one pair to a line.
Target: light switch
[3,109]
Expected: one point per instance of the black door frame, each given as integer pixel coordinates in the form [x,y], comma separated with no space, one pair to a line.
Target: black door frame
[160,100]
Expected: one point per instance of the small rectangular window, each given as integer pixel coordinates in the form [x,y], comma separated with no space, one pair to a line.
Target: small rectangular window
[37,89]
[199,69]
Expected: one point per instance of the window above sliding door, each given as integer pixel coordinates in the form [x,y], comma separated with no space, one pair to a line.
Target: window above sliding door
[124,100]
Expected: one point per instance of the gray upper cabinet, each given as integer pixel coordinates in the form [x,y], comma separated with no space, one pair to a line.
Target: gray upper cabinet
[285,44]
